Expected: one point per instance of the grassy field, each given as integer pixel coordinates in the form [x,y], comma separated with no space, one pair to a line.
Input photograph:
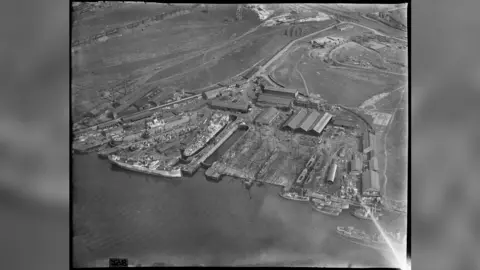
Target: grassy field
[395,143]
[158,51]
[339,86]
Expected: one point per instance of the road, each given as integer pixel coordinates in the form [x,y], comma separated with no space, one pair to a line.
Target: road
[287,47]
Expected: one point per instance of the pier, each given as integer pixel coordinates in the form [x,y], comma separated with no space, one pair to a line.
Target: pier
[209,150]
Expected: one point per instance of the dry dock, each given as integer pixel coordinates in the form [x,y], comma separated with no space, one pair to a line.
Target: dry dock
[209,150]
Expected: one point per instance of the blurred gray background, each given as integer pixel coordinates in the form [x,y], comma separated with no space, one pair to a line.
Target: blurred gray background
[34,135]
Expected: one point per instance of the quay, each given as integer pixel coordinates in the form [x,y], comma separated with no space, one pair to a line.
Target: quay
[200,158]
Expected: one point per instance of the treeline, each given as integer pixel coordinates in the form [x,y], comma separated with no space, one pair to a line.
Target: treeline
[133,25]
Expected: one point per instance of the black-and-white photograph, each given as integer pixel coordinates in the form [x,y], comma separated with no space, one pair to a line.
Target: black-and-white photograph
[239,134]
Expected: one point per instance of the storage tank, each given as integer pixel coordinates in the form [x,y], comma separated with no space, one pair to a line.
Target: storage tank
[331,173]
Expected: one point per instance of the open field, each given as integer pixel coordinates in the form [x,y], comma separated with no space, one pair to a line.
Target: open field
[351,53]
[98,21]
[339,86]
[144,52]
[396,145]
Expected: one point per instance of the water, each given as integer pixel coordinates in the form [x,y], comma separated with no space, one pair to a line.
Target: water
[193,221]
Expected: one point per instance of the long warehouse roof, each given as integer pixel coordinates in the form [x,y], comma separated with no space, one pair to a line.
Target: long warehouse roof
[274,99]
[307,124]
[322,123]
[295,121]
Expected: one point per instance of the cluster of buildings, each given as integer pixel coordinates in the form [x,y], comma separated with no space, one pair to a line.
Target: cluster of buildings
[327,42]
[281,98]
[308,122]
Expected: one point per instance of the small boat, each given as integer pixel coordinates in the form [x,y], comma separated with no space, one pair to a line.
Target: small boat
[362,213]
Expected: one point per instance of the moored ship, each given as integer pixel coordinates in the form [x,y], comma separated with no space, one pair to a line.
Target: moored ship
[326,209]
[362,213]
[154,168]
[217,123]
[375,240]
[292,195]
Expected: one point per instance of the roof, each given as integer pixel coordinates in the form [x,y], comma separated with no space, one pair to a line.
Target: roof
[274,99]
[356,164]
[294,121]
[307,124]
[344,123]
[370,180]
[281,90]
[267,115]
[213,93]
[322,122]
[373,164]
[229,105]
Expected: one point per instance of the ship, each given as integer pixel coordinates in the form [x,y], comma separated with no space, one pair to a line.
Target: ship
[326,209]
[375,240]
[361,213]
[293,196]
[217,123]
[154,168]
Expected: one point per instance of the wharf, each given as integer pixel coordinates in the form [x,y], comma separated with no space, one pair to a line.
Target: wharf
[200,158]
[86,148]
[220,169]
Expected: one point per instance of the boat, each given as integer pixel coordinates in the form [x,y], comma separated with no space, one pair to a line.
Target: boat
[293,196]
[375,240]
[217,123]
[326,209]
[362,213]
[154,168]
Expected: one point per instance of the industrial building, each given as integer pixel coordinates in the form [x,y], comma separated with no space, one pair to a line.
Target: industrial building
[370,183]
[267,116]
[229,106]
[322,123]
[332,173]
[137,116]
[307,124]
[294,121]
[108,124]
[368,142]
[344,123]
[274,101]
[313,121]
[373,164]
[285,92]
[355,166]
[211,94]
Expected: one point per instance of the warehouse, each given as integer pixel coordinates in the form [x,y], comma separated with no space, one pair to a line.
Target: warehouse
[229,106]
[275,101]
[322,123]
[267,116]
[368,142]
[285,92]
[370,183]
[373,164]
[211,94]
[296,119]
[309,121]
[356,166]
[332,173]
[344,123]
[137,116]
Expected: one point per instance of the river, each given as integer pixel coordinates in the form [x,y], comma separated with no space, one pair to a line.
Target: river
[186,221]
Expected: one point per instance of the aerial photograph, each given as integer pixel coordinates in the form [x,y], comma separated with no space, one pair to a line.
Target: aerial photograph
[239,134]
